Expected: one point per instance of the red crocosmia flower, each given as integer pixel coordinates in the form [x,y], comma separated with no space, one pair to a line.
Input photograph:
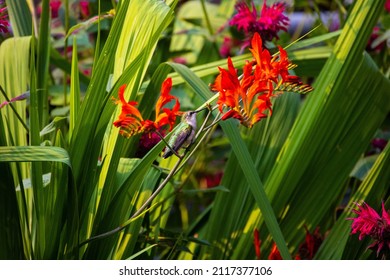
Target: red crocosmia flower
[268,23]
[249,96]
[238,95]
[369,223]
[312,243]
[168,116]
[274,254]
[131,121]
[257,243]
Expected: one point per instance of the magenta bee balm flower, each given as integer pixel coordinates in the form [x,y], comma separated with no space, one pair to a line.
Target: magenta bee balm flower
[267,23]
[4,23]
[368,222]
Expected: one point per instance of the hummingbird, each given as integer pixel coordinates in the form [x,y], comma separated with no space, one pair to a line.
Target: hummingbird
[184,134]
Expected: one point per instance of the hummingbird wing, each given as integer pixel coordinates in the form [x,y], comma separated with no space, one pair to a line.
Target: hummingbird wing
[178,143]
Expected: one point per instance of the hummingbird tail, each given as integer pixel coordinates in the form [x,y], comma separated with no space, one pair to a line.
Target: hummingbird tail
[167,153]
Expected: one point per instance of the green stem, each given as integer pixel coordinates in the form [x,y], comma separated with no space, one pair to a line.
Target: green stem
[167,144]
[140,211]
[66,49]
[206,16]
[13,109]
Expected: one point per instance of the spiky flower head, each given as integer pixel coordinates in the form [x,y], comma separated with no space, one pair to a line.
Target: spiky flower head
[369,223]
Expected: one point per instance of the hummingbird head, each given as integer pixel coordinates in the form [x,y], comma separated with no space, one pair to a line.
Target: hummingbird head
[190,118]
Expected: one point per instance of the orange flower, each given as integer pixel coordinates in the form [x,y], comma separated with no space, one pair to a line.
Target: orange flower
[168,116]
[248,97]
[274,254]
[131,122]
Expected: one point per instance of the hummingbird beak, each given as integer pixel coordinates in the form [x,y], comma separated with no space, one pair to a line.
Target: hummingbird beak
[197,111]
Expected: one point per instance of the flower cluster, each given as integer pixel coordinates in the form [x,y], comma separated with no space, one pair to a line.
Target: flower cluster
[4,24]
[249,97]
[268,22]
[131,122]
[369,223]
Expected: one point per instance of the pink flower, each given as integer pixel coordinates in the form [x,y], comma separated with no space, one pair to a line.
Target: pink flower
[369,223]
[245,19]
[268,23]
[55,6]
[84,9]
[179,59]
[379,143]
[387,6]
[147,142]
[227,45]
[4,24]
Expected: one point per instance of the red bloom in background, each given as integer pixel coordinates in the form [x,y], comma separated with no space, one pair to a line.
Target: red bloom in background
[245,19]
[257,243]
[309,248]
[274,254]
[227,45]
[131,122]
[249,96]
[84,9]
[268,23]
[55,7]
[387,6]
[369,223]
[306,251]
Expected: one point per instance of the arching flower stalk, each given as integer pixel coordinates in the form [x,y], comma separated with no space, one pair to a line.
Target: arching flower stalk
[248,97]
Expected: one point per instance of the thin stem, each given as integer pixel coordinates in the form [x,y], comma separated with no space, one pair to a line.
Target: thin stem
[205,120]
[206,16]
[65,48]
[140,210]
[158,190]
[13,109]
[167,144]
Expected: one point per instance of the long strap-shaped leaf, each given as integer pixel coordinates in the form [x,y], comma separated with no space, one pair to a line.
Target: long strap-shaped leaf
[34,154]
[69,245]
